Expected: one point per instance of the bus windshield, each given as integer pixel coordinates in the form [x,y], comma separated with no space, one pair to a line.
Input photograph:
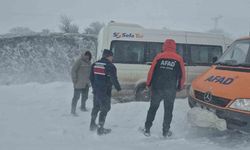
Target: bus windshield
[238,54]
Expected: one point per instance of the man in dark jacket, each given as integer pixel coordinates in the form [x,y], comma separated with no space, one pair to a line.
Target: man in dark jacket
[165,78]
[80,77]
[103,75]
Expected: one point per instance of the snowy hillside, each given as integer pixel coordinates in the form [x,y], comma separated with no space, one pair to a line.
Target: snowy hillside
[41,58]
[36,117]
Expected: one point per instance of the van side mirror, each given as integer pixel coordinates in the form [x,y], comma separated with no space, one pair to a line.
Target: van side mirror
[148,63]
[214,59]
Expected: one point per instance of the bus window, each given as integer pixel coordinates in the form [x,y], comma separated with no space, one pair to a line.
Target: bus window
[181,50]
[129,52]
[204,54]
[153,49]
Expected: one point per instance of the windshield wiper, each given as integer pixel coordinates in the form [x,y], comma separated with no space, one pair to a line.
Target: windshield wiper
[234,65]
[224,64]
[243,65]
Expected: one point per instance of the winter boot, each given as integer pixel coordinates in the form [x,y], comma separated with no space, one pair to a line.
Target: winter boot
[84,109]
[93,126]
[146,132]
[102,131]
[74,114]
[167,133]
[73,111]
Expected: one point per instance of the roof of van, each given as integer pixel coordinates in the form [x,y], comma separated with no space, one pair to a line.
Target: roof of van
[160,31]
[113,23]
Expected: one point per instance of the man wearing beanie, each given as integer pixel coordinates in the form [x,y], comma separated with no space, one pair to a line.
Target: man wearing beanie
[165,77]
[80,78]
[102,77]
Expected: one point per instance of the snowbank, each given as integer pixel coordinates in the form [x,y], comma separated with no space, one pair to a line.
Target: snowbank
[207,119]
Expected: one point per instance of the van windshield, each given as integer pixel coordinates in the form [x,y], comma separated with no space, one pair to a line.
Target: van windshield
[238,54]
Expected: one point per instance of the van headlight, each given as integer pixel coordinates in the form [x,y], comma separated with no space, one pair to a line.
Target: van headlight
[191,91]
[241,104]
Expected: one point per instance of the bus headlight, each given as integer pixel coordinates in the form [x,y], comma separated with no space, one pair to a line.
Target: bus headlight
[241,104]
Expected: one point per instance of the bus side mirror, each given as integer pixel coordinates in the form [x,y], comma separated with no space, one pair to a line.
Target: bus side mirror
[215,59]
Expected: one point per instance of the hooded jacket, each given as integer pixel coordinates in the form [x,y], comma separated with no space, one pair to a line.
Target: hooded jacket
[80,72]
[167,70]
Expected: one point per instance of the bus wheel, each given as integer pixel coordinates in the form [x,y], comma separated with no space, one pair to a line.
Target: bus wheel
[142,93]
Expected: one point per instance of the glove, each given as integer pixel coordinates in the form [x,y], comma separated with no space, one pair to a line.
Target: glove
[118,89]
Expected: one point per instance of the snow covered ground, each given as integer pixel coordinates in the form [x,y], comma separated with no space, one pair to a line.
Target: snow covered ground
[36,117]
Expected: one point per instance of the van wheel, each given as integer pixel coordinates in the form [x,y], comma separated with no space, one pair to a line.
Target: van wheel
[142,93]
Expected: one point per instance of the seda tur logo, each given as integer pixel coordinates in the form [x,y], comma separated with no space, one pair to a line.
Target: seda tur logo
[127,35]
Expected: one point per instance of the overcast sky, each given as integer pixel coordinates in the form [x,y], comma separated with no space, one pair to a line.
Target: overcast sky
[191,15]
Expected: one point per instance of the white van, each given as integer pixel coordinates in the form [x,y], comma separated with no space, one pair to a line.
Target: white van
[135,47]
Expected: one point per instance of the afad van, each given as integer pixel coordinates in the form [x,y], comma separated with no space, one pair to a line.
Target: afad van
[225,88]
[134,48]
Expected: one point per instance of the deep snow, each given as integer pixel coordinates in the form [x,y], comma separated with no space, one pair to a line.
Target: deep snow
[36,117]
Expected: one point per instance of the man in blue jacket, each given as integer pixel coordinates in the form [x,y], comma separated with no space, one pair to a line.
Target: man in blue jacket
[102,77]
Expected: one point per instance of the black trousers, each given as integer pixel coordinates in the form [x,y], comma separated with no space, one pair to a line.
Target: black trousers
[168,96]
[77,93]
[102,104]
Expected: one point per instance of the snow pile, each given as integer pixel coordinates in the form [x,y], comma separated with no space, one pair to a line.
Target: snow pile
[41,58]
[36,117]
[204,118]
